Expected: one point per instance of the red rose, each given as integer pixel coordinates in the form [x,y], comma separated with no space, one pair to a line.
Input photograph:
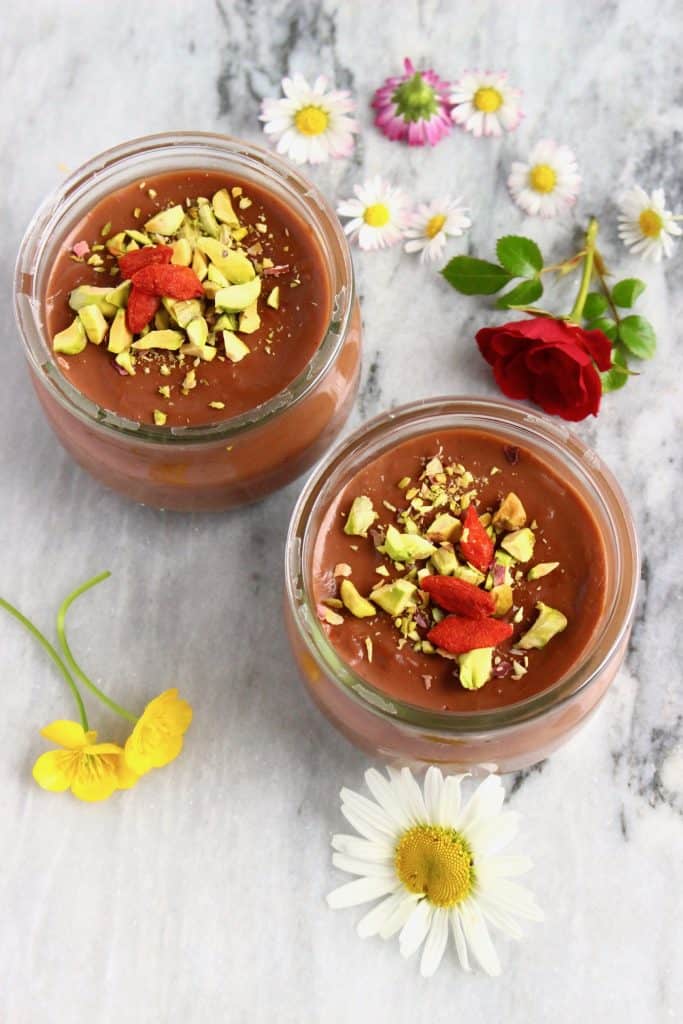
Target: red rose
[550,362]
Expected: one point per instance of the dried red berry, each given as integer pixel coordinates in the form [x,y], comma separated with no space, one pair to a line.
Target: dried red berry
[457,636]
[475,543]
[134,261]
[140,309]
[171,281]
[459,596]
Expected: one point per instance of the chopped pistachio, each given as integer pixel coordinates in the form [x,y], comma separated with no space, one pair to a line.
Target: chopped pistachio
[536,572]
[403,483]
[126,361]
[406,547]
[518,670]
[164,390]
[198,331]
[469,574]
[189,380]
[235,348]
[549,623]
[93,321]
[475,667]
[511,514]
[217,277]
[222,207]
[341,569]
[182,253]
[444,528]
[394,597]
[72,340]
[199,264]
[169,340]
[368,647]
[519,544]
[518,616]
[120,338]
[118,296]
[360,518]
[89,295]
[273,299]
[159,417]
[444,560]
[166,222]
[165,370]
[207,218]
[332,617]
[502,599]
[116,245]
[238,296]
[250,321]
[358,605]
[382,570]
[216,405]
[152,193]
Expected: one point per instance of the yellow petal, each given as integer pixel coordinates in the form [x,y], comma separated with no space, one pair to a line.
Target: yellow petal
[176,713]
[96,777]
[103,748]
[55,770]
[141,757]
[67,734]
[127,777]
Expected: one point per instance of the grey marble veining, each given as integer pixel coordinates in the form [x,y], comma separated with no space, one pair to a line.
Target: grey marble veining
[199,897]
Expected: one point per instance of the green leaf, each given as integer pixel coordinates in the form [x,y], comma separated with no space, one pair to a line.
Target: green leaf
[605,325]
[522,294]
[521,256]
[596,305]
[475,277]
[627,291]
[638,335]
[618,375]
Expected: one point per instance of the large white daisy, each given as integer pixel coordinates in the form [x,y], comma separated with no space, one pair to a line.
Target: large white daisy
[432,224]
[646,227]
[485,104]
[548,182]
[435,864]
[310,124]
[379,214]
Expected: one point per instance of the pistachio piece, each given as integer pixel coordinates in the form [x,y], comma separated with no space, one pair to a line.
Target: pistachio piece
[250,320]
[120,338]
[183,310]
[159,417]
[235,349]
[207,219]
[182,253]
[119,296]
[360,518]
[214,275]
[169,340]
[406,547]
[95,325]
[116,245]
[394,597]
[126,361]
[356,604]
[511,514]
[72,339]
[502,599]
[238,296]
[273,299]
[476,667]
[166,222]
[445,528]
[445,560]
[91,295]
[549,623]
[199,264]
[469,574]
[536,572]
[519,544]
[198,331]
[162,319]
[222,207]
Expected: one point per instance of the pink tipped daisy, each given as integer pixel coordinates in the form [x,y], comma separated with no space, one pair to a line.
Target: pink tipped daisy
[379,214]
[413,107]
[548,182]
[311,123]
[485,104]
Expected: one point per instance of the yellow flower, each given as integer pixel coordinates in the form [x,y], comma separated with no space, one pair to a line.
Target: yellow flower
[92,771]
[157,738]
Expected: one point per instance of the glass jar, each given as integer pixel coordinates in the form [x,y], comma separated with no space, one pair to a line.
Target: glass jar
[502,739]
[203,467]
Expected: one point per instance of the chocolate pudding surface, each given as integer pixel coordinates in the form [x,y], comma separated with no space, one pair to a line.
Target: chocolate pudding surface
[280,349]
[565,532]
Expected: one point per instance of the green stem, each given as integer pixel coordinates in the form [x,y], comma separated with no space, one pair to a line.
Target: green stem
[589,259]
[565,266]
[66,650]
[608,295]
[47,646]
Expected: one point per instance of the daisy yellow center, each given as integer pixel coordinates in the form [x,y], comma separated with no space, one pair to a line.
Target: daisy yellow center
[377,215]
[311,120]
[437,862]
[542,178]
[650,223]
[487,99]
[434,225]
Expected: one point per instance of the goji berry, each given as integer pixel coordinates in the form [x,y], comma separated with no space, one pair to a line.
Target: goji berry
[139,258]
[459,596]
[457,635]
[171,281]
[475,543]
[140,309]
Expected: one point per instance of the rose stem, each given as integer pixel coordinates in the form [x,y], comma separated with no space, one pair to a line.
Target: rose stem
[66,650]
[45,643]
[577,308]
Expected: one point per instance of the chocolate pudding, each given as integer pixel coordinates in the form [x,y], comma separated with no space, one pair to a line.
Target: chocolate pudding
[542,548]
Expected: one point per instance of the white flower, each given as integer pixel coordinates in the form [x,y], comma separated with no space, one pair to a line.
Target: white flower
[548,183]
[485,104]
[435,864]
[309,124]
[379,214]
[432,224]
[645,225]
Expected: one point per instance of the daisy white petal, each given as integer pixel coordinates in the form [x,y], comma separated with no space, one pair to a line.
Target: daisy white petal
[432,224]
[433,863]
[646,227]
[380,214]
[548,182]
[485,104]
[311,123]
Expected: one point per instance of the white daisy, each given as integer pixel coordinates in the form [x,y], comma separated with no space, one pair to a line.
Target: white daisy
[434,864]
[548,183]
[432,224]
[310,124]
[645,225]
[379,214]
[485,104]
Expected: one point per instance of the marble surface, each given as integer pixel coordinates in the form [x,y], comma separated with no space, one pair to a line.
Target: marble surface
[199,896]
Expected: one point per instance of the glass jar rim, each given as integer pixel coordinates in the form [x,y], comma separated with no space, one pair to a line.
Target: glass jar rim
[179,146]
[520,419]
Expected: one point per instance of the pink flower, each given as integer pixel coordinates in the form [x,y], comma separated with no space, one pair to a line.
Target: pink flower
[414,107]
